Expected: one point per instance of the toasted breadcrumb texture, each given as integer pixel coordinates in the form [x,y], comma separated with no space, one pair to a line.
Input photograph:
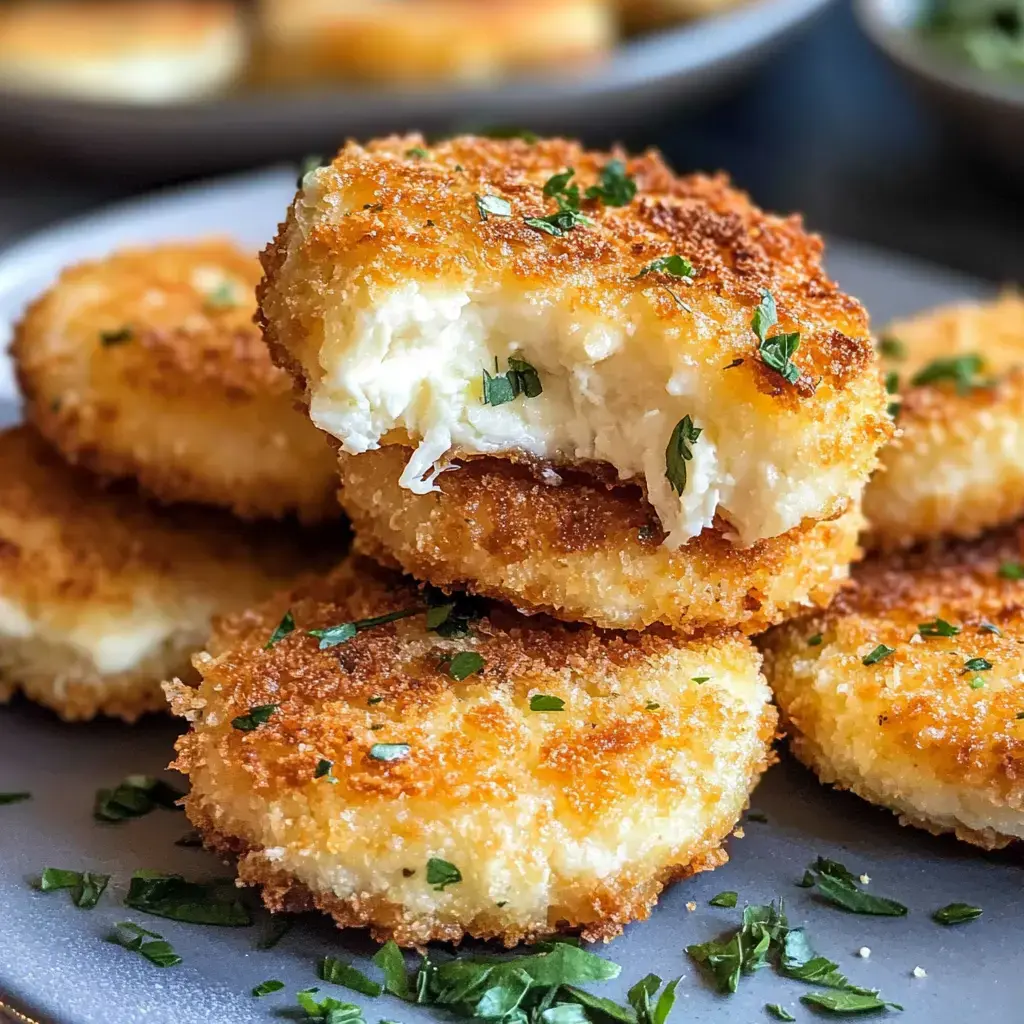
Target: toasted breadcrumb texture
[927,731]
[571,819]
[957,466]
[103,596]
[146,364]
[386,259]
[648,14]
[580,549]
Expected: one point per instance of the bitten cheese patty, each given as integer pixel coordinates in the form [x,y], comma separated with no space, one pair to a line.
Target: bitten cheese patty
[909,690]
[102,596]
[146,364]
[518,299]
[509,778]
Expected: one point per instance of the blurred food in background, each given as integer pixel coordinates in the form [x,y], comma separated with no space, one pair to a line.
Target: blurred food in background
[986,33]
[165,51]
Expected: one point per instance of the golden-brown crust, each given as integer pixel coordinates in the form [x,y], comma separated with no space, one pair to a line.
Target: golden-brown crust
[481,761]
[957,465]
[918,731]
[79,563]
[189,403]
[583,550]
[411,217]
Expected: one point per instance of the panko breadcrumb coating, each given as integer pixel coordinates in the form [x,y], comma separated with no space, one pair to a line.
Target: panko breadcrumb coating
[449,297]
[933,730]
[957,466]
[102,596]
[567,544]
[645,14]
[565,774]
[455,41]
[146,364]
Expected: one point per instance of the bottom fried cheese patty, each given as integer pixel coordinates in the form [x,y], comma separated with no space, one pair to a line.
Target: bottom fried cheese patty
[102,596]
[909,690]
[496,776]
[567,544]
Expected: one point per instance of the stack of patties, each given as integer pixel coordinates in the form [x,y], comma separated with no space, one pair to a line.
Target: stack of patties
[908,690]
[149,395]
[614,421]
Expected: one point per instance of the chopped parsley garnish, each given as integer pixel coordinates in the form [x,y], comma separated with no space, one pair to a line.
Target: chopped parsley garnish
[283,628]
[417,153]
[345,631]
[776,352]
[615,188]
[136,796]
[390,960]
[264,988]
[389,751]
[224,296]
[891,348]
[724,899]
[324,769]
[277,928]
[115,337]
[329,1010]
[641,997]
[678,453]
[86,887]
[463,665]
[1011,571]
[543,702]
[963,371]
[493,206]
[674,266]
[977,665]
[815,641]
[521,378]
[651,705]
[13,798]
[778,1012]
[170,896]
[678,301]
[254,717]
[700,679]
[956,913]
[977,683]
[989,627]
[938,627]
[568,215]
[880,652]
[337,972]
[892,382]
[450,615]
[837,885]
[146,943]
[441,873]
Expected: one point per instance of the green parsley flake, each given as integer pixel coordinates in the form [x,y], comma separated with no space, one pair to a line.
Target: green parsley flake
[264,988]
[616,187]
[283,628]
[891,348]
[337,972]
[989,627]
[521,378]
[542,702]
[892,382]
[171,896]
[878,654]
[118,336]
[277,928]
[815,641]
[678,453]
[956,913]
[329,1010]
[778,1012]
[977,683]
[651,705]
[847,1002]
[135,796]
[776,352]
[134,937]
[1011,571]
[224,296]
[938,627]
[254,717]
[389,751]
[13,798]
[345,631]
[463,665]
[963,371]
[390,960]
[641,998]
[417,153]
[977,665]
[493,206]
[568,215]
[441,873]
[674,266]
[724,899]
[324,769]
[86,887]
[699,680]
[837,885]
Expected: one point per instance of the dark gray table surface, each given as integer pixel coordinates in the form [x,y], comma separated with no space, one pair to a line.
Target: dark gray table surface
[827,127]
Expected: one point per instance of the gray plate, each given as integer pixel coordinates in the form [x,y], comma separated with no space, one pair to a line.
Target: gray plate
[55,964]
[682,65]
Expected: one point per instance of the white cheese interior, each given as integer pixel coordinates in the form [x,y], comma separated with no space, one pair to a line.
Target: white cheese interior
[412,360]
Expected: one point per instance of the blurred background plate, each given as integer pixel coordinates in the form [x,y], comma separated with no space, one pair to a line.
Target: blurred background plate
[682,65]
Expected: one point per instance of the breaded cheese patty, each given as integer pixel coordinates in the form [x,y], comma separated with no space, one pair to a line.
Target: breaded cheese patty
[160,51]
[102,597]
[467,771]
[957,466]
[460,41]
[567,544]
[535,301]
[146,364]
[909,690]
